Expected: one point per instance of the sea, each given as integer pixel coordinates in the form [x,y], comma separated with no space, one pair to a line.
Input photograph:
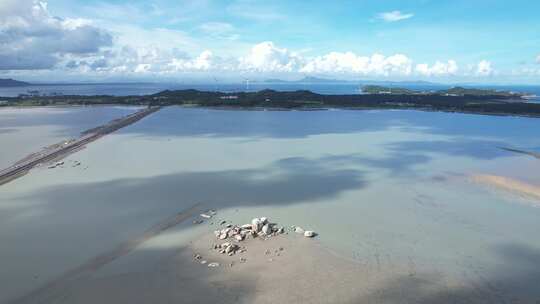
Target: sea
[392,190]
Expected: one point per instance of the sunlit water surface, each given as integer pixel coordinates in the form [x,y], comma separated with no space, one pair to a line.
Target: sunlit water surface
[387,189]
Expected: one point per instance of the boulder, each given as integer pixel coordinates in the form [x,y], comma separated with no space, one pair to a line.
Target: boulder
[309,233]
[239,237]
[266,230]
[256,224]
[299,230]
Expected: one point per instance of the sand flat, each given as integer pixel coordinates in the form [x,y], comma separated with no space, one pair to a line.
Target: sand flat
[303,272]
[512,185]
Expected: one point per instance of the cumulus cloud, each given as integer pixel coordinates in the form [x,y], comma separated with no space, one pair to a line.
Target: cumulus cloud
[204,62]
[394,16]
[30,38]
[438,69]
[483,68]
[349,62]
[266,57]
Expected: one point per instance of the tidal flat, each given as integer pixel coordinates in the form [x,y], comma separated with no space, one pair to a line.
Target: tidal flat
[389,193]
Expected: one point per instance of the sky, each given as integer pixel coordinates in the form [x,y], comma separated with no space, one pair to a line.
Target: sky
[480,41]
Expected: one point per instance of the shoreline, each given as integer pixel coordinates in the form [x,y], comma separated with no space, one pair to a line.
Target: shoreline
[285,109]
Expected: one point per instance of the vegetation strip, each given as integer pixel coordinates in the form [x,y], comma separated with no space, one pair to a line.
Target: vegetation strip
[476,101]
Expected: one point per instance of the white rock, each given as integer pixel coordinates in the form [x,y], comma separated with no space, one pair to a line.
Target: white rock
[239,237]
[309,233]
[298,230]
[263,220]
[214,264]
[266,229]
[246,226]
[256,224]
[223,236]
[206,216]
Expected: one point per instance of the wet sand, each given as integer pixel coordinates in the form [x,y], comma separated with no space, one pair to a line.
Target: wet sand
[302,272]
[515,186]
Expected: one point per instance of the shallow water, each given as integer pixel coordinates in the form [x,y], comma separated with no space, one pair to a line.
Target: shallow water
[387,189]
[25,131]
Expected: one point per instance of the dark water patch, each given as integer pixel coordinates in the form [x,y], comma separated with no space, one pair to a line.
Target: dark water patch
[135,201]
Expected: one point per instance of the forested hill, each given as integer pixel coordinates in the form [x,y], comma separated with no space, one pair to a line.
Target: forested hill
[12,83]
[497,104]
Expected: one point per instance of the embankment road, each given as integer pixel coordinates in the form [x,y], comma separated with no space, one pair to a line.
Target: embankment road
[68,147]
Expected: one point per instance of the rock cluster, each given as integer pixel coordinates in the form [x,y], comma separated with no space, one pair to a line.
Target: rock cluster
[258,227]
[233,235]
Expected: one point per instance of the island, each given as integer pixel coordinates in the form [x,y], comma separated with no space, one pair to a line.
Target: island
[457,99]
[4,83]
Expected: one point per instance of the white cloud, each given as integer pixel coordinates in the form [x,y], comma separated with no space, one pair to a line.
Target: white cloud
[203,62]
[438,69]
[30,38]
[266,57]
[483,68]
[377,64]
[394,16]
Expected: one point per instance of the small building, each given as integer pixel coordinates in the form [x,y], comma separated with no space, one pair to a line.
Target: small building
[228,97]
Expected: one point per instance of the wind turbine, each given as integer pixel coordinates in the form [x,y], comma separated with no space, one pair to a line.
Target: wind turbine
[215,84]
[247,84]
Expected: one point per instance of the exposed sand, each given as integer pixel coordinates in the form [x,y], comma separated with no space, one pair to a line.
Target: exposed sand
[303,272]
[520,188]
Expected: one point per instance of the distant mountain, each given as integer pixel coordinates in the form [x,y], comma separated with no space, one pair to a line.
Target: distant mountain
[398,83]
[314,80]
[308,79]
[12,83]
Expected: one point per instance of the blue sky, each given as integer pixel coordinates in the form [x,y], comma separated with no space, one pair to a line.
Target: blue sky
[447,41]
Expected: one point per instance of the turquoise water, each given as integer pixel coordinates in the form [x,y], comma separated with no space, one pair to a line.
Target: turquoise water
[387,189]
